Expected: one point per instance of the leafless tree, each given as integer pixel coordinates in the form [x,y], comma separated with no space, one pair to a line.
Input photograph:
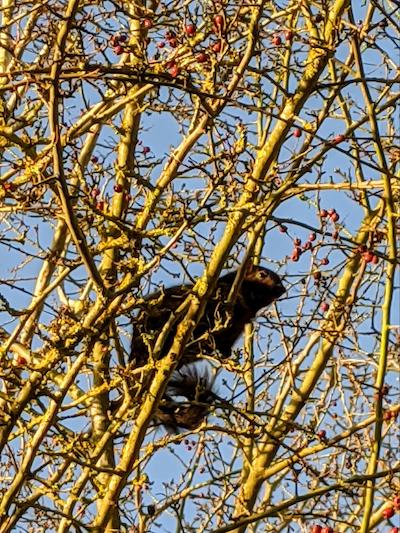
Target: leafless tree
[151,144]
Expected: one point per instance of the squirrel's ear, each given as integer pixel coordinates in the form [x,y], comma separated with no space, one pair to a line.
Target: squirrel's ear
[250,267]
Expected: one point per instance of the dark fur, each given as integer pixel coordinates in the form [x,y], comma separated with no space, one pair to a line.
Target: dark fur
[189,394]
[187,400]
[219,327]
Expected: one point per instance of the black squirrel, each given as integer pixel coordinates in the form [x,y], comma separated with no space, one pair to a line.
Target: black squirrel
[218,329]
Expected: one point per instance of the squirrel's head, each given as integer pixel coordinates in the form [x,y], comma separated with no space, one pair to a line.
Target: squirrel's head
[261,286]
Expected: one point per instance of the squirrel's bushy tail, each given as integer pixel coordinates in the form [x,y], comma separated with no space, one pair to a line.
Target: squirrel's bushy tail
[187,400]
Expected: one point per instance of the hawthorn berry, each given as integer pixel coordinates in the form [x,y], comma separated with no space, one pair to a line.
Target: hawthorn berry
[317,275]
[174,71]
[295,255]
[95,192]
[375,260]
[297,133]
[321,434]
[312,237]
[324,308]
[173,42]
[190,29]
[201,57]
[334,217]
[282,228]
[118,50]
[118,187]
[324,261]
[388,512]
[219,21]
[327,530]
[297,242]
[146,149]
[288,35]
[316,529]
[276,40]
[216,47]
[338,139]
[161,44]
[368,256]
[148,23]
[396,502]
[388,415]
[323,213]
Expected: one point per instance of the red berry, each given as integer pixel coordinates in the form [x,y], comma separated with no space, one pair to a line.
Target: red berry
[216,47]
[173,42]
[323,213]
[118,50]
[396,502]
[362,248]
[338,139]
[307,245]
[316,529]
[317,275]
[324,261]
[283,229]
[375,260]
[170,34]
[388,512]
[190,30]
[219,21]
[122,38]
[276,40]
[394,530]
[334,217]
[388,415]
[201,57]
[118,187]
[148,23]
[95,159]
[19,360]
[95,192]
[312,237]
[327,530]
[368,256]
[146,149]
[161,44]
[288,35]
[100,205]
[297,133]
[174,71]
[318,17]
[295,255]
[324,308]
[297,242]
